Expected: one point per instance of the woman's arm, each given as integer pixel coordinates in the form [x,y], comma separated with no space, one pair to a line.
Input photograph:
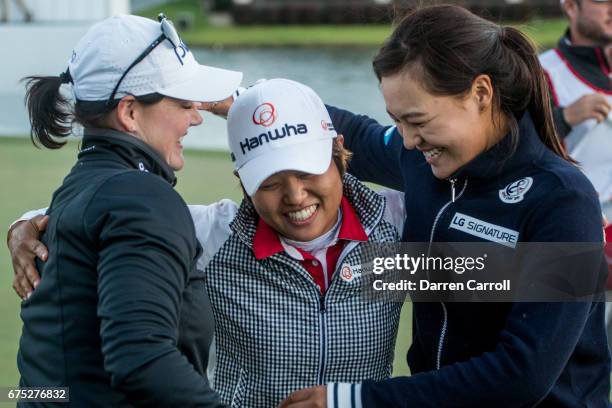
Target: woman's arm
[395,210]
[24,246]
[376,148]
[212,225]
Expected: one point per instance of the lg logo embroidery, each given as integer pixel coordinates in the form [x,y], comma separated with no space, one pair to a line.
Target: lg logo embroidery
[515,192]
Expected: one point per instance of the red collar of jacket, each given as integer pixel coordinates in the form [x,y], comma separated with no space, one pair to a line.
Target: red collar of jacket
[267,243]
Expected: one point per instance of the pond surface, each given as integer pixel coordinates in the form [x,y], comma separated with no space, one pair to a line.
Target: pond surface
[342,77]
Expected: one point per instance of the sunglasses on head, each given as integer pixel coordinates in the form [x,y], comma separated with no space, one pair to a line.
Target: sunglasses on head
[168,32]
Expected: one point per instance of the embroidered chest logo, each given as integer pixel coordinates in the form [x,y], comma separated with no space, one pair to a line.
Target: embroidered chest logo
[484,230]
[348,272]
[515,192]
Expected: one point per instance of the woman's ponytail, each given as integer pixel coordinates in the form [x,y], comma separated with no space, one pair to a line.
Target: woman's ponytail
[49,111]
[539,106]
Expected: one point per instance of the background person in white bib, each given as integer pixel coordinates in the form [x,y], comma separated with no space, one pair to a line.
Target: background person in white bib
[580,79]
[578,69]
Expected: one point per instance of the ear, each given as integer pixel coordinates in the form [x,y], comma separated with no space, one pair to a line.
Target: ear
[571,9]
[482,92]
[126,114]
[340,139]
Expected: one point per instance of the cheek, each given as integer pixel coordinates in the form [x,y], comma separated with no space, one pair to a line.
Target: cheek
[333,192]
[264,203]
[438,134]
[461,132]
[175,125]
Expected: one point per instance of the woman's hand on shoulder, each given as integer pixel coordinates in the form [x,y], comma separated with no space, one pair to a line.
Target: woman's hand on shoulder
[24,246]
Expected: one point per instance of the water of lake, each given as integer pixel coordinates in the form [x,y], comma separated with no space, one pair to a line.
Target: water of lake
[342,77]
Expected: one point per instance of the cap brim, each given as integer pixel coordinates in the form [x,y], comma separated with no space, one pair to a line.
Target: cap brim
[312,157]
[207,84]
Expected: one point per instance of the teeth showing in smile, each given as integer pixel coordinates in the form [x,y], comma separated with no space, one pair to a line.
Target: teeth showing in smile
[303,214]
[430,154]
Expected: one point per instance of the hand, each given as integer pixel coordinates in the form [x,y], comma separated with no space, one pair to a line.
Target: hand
[219,108]
[593,106]
[315,397]
[24,247]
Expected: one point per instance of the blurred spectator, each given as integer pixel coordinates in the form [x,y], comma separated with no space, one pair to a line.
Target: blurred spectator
[579,75]
[578,69]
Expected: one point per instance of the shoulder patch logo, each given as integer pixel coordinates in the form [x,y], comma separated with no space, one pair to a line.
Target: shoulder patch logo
[515,192]
[348,272]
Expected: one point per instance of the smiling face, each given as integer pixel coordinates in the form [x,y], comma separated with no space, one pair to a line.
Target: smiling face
[300,206]
[163,125]
[449,130]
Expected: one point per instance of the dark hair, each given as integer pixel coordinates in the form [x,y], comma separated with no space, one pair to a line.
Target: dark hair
[341,156]
[51,114]
[452,47]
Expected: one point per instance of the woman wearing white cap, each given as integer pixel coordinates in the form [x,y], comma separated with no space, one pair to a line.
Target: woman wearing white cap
[285,283]
[283,269]
[120,316]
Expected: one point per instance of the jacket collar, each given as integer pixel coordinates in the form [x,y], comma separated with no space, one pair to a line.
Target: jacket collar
[589,62]
[367,207]
[130,150]
[506,156]
[584,52]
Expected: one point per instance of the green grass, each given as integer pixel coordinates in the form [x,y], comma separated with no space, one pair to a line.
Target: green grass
[29,176]
[288,36]
[545,33]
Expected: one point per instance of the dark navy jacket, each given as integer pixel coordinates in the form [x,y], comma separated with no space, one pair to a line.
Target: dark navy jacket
[490,354]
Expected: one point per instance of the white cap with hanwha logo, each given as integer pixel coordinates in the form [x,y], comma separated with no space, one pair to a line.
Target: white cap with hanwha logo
[278,125]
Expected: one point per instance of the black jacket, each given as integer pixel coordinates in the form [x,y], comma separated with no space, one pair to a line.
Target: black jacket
[490,354]
[121,316]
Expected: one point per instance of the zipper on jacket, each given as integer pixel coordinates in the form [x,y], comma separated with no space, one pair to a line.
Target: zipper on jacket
[454,198]
[323,339]
[442,336]
[322,308]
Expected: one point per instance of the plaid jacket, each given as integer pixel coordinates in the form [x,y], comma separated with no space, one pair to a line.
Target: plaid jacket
[275,333]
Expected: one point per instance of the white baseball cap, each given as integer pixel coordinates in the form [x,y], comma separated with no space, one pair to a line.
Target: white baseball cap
[109,47]
[278,125]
